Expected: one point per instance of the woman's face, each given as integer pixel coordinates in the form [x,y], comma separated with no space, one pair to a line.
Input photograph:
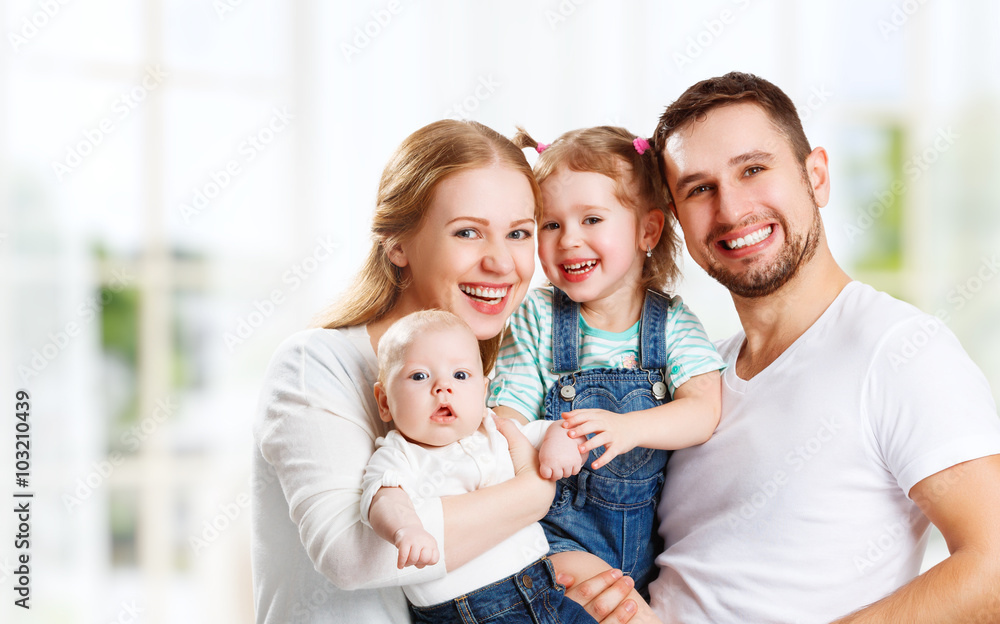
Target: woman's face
[474,254]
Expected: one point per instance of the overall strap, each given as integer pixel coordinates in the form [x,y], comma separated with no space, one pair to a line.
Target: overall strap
[652,331]
[565,333]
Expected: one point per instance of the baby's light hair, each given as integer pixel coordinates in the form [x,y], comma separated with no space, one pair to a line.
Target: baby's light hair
[612,151]
[400,335]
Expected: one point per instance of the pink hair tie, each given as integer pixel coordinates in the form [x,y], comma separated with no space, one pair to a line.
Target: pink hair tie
[641,145]
[541,147]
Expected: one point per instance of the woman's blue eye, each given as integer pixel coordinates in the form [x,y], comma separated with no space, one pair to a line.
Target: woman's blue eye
[520,234]
[461,375]
[466,233]
[418,376]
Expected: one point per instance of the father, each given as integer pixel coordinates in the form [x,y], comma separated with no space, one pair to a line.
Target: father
[837,446]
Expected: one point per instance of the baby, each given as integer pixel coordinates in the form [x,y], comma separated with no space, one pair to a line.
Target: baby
[432,388]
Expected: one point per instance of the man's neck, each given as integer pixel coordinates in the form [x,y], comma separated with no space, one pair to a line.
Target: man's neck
[772,323]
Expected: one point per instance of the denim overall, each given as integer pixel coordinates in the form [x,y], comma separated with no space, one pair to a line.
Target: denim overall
[610,512]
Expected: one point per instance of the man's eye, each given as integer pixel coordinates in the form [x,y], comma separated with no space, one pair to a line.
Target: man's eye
[418,376]
[461,375]
[698,190]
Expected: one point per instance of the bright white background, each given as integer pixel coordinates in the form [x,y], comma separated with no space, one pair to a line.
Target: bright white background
[118,120]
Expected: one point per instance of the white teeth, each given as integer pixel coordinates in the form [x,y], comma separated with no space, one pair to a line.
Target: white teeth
[750,239]
[489,295]
[579,267]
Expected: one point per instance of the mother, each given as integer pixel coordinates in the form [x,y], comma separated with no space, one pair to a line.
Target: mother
[453,229]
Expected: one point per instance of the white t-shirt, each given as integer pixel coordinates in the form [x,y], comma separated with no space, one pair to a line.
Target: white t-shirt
[796,510]
[314,433]
[476,461]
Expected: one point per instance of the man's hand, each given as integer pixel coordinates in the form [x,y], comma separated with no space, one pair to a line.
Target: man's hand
[603,596]
[416,547]
[615,432]
[559,455]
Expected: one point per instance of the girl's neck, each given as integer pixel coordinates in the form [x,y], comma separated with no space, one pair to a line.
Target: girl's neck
[615,313]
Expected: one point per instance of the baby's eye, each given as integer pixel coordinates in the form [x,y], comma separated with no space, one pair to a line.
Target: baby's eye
[591,220]
[551,225]
[461,375]
[418,376]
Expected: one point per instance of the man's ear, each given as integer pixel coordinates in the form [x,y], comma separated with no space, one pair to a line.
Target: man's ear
[650,229]
[382,399]
[818,170]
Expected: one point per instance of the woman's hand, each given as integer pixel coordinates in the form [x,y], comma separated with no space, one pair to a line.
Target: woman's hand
[603,596]
[537,491]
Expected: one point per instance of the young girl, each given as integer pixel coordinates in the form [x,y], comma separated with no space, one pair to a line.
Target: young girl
[627,369]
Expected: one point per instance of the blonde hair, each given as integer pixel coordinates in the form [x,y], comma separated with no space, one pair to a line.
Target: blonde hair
[424,159]
[610,151]
[394,342]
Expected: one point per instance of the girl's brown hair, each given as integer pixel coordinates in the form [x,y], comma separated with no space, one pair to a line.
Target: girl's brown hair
[424,159]
[612,151]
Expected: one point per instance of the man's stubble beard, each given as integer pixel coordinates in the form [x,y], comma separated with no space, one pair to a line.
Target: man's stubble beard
[760,281]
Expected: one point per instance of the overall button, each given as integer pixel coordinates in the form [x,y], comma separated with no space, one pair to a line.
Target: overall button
[659,390]
[527,581]
[568,393]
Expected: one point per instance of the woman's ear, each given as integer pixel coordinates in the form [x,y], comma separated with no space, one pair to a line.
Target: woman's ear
[382,399]
[395,252]
[650,229]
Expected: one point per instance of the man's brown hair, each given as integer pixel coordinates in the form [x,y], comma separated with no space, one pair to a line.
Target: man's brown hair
[733,88]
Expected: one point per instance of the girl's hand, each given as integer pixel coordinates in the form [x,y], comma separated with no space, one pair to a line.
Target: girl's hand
[615,432]
[559,455]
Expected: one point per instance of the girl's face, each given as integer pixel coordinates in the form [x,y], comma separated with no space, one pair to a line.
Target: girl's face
[591,246]
[474,253]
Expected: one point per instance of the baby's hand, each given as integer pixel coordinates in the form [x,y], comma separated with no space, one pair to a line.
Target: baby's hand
[416,547]
[558,455]
[612,431]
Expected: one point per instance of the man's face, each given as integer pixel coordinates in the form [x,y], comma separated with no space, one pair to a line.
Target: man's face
[749,212]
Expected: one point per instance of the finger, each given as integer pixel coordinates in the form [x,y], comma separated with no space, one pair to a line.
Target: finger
[601,439]
[584,428]
[624,612]
[404,554]
[600,595]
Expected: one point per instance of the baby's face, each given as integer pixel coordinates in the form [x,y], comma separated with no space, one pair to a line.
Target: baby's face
[437,393]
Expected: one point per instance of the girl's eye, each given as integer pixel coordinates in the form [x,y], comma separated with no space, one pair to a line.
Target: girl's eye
[418,376]
[752,171]
[591,220]
[466,233]
[461,375]
[519,234]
